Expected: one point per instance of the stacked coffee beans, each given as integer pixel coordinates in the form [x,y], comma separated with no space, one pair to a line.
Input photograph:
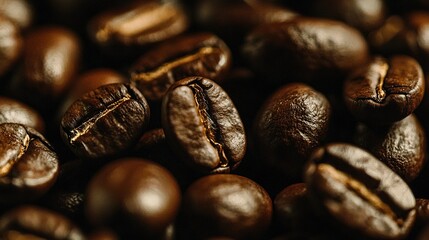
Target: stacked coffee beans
[214,119]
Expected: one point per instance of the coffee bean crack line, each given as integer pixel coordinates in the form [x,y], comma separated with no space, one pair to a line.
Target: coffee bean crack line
[5,170]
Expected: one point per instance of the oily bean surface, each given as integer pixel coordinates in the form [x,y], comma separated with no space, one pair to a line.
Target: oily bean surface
[11,44]
[14,111]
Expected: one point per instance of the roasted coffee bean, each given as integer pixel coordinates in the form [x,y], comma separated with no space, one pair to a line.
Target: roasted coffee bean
[385,91]
[203,126]
[233,19]
[10,44]
[89,81]
[138,23]
[305,49]
[364,15]
[50,61]
[28,164]
[13,111]
[226,205]
[290,125]
[134,197]
[422,210]
[360,192]
[200,54]
[31,222]
[106,121]
[19,11]
[401,146]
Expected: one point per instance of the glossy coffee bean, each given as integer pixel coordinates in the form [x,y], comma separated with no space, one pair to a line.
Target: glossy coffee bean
[18,11]
[138,23]
[14,111]
[10,44]
[359,192]
[401,146]
[28,164]
[364,15]
[290,125]
[203,126]
[31,222]
[50,61]
[106,121]
[226,205]
[305,49]
[88,81]
[199,54]
[385,90]
[134,197]
[422,210]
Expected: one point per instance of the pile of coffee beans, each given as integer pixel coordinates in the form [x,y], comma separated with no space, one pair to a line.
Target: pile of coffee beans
[214,119]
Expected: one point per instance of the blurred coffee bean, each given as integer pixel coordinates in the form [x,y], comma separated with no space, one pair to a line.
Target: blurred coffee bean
[28,164]
[359,192]
[290,125]
[401,146]
[18,11]
[226,205]
[133,196]
[105,122]
[10,44]
[14,111]
[314,50]
[385,90]
[203,126]
[31,222]
[200,54]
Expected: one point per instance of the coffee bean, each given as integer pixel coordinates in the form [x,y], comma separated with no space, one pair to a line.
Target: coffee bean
[305,49]
[290,125]
[203,126]
[422,210]
[10,44]
[360,192]
[226,205]
[138,23]
[106,121]
[18,11]
[133,196]
[401,146]
[50,61]
[201,54]
[384,91]
[28,165]
[31,222]
[13,111]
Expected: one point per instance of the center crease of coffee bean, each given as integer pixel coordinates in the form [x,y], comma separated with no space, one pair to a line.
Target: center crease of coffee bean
[210,127]
[361,190]
[165,68]
[5,170]
[140,20]
[86,125]
[382,69]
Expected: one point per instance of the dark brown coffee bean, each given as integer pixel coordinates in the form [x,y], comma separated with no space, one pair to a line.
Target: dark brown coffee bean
[305,49]
[203,126]
[360,192]
[13,111]
[422,210]
[133,196]
[50,61]
[18,11]
[364,15]
[401,146]
[138,23]
[226,205]
[30,222]
[384,91]
[105,121]
[28,165]
[200,54]
[10,44]
[290,125]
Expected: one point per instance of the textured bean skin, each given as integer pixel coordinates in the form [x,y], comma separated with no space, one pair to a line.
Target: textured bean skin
[384,91]
[105,121]
[355,189]
[290,125]
[203,126]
